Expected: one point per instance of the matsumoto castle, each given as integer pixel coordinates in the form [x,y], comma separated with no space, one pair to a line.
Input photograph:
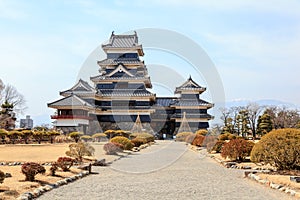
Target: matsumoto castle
[120,94]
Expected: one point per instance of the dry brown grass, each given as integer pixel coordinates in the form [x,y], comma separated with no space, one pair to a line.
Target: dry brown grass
[32,152]
[17,185]
[40,153]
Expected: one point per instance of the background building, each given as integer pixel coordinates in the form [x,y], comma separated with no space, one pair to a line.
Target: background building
[26,123]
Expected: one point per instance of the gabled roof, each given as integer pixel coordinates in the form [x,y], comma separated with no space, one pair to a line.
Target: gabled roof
[123,42]
[124,92]
[80,87]
[165,101]
[125,61]
[120,68]
[190,84]
[72,100]
[192,102]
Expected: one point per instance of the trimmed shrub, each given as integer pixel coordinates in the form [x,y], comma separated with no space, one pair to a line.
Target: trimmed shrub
[109,133]
[2,176]
[122,133]
[3,134]
[99,136]
[202,132]
[218,146]
[149,137]
[13,136]
[79,150]
[76,135]
[112,148]
[65,163]
[127,144]
[190,138]
[53,168]
[209,142]
[139,141]
[52,134]
[181,137]
[280,148]
[198,140]
[62,139]
[30,169]
[237,149]
[227,136]
[86,138]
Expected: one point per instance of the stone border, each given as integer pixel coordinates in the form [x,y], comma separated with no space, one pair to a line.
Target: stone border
[251,174]
[275,186]
[42,189]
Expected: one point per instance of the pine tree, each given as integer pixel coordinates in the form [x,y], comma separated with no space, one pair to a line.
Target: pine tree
[264,124]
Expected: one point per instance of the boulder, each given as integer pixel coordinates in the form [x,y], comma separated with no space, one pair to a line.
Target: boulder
[229,164]
[100,162]
[295,179]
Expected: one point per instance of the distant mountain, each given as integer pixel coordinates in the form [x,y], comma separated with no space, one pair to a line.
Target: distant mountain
[263,102]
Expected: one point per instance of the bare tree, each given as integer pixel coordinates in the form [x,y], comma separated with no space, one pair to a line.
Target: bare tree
[10,95]
[225,114]
[283,117]
[254,111]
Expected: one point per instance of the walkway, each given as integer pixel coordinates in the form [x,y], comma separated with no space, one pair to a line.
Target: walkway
[167,170]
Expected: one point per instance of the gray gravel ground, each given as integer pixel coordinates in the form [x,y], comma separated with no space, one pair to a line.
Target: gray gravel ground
[166,170]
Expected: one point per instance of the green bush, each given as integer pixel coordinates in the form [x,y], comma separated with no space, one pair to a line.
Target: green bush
[112,148]
[2,176]
[30,169]
[79,150]
[280,148]
[149,137]
[227,136]
[65,163]
[127,144]
[139,141]
[181,137]
[237,149]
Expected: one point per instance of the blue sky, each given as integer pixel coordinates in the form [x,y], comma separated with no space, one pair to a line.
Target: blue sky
[254,45]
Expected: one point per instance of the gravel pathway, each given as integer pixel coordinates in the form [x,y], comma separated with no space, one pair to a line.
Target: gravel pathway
[166,170]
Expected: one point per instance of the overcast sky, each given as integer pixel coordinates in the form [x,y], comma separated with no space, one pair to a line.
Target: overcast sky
[253,44]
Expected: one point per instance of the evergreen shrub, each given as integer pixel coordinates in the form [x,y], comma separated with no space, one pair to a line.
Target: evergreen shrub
[280,148]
